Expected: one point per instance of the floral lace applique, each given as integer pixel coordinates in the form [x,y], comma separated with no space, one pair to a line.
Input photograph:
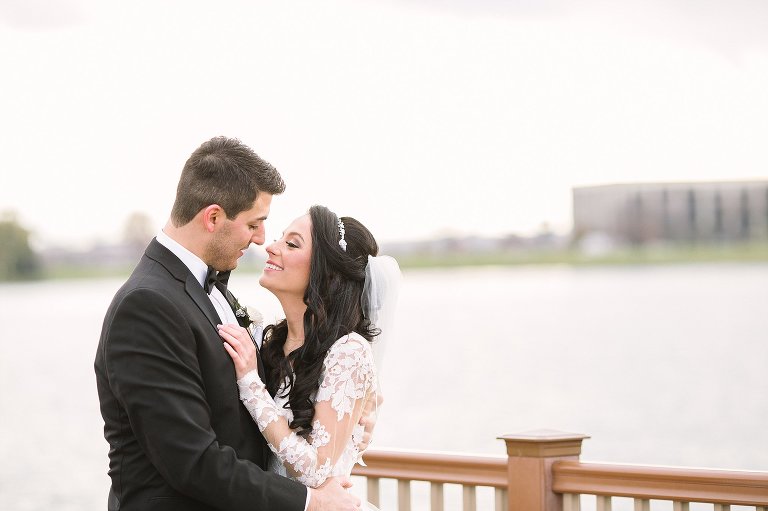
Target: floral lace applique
[348,375]
[319,435]
[348,380]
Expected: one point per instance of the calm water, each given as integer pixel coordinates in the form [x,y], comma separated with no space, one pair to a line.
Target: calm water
[660,365]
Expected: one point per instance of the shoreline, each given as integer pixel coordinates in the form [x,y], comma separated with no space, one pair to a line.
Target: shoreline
[635,257]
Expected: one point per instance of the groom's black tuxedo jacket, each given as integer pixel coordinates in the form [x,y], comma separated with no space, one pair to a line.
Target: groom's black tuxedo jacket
[179,438]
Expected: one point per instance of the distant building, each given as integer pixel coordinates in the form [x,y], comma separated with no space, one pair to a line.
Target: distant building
[640,213]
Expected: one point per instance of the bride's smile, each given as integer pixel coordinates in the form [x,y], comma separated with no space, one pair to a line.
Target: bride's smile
[286,273]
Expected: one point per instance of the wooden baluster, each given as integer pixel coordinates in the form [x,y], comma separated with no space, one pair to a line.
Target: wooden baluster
[603,503]
[372,490]
[722,507]
[571,502]
[680,506]
[501,499]
[403,495]
[642,505]
[470,499]
[436,497]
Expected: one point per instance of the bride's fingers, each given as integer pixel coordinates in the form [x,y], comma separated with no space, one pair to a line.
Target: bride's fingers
[237,340]
[232,353]
[230,329]
[237,332]
[233,341]
[234,332]
[245,350]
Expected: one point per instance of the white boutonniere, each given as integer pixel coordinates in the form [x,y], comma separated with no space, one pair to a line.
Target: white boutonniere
[251,319]
[254,315]
[244,314]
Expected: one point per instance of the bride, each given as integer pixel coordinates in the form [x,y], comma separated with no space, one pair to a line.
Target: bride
[320,372]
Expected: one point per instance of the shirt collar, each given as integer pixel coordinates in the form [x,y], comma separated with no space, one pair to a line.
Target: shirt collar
[196,265]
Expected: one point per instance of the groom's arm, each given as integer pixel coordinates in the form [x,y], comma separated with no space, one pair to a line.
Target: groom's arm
[154,372]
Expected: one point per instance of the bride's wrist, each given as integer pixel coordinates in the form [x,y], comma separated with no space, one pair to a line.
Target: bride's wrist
[250,379]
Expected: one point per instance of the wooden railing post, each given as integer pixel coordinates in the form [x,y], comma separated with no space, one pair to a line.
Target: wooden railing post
[530,458]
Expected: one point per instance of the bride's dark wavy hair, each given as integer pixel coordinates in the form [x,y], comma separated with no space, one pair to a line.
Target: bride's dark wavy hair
[334,309]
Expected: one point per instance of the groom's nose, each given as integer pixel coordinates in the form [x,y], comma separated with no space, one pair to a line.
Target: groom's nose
[258,236]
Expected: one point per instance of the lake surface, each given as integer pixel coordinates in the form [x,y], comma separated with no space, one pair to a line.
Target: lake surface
[661,365]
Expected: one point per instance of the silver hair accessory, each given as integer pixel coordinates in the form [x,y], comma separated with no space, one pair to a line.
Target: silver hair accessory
[342,241]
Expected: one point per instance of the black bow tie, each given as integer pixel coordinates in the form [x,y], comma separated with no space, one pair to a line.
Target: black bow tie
[217,279]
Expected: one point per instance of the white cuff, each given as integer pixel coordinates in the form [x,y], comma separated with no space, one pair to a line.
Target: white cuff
[251,376]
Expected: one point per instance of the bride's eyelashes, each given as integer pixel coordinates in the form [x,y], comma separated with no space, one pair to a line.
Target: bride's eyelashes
[288,243]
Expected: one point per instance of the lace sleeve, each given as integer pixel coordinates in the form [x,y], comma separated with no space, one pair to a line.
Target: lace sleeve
[348,380]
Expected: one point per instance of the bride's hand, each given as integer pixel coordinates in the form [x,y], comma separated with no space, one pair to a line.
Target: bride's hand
[239,345]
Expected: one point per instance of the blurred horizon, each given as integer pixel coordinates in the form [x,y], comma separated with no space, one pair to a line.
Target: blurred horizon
[149,225]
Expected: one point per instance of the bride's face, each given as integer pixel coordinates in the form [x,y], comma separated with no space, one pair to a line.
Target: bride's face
[286,272]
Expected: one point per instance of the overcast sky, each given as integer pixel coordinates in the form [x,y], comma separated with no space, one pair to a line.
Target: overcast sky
[417,117]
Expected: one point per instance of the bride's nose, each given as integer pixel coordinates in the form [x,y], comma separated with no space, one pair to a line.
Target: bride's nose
[272,248]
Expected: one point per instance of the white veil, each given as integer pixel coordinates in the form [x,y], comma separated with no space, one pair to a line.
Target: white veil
[379,300]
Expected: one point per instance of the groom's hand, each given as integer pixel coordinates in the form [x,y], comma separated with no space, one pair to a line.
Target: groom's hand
[332,496]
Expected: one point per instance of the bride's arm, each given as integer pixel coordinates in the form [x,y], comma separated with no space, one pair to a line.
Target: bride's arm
[348,380]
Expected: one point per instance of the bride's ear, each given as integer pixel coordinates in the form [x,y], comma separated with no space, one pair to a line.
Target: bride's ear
[212,216]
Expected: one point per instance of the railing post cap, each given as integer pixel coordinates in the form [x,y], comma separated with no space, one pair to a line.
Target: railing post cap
[543,443]
[543,435]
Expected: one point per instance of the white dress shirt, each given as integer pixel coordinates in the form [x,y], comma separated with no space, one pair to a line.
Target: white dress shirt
[199,270]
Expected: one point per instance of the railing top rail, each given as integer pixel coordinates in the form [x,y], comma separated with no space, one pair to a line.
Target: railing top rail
[432,453]
[435,467]
[665,483]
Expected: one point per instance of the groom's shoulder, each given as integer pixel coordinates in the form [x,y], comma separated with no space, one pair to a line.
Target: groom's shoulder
[149,274]
[149,277]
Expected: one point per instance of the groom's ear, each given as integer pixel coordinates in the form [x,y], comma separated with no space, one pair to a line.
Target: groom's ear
[212,216]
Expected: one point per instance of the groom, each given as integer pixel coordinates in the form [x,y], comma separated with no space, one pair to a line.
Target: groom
[178,436]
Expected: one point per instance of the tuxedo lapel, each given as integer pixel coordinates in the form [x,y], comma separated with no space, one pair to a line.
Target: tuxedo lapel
[201,299]
[232,301]
[180,272]
[157,252]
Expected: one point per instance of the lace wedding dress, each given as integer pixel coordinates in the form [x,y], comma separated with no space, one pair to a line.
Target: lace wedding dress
[348,382]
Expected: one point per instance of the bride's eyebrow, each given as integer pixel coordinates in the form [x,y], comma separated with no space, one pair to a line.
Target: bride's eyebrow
[294,233]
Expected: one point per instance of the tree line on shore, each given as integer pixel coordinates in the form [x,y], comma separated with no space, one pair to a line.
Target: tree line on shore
[18,261]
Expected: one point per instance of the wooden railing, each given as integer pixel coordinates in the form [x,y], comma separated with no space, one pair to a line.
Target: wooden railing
[438,470]
[542,472]
[681,486]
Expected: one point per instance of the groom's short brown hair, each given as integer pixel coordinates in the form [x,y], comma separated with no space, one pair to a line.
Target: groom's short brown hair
[226,172]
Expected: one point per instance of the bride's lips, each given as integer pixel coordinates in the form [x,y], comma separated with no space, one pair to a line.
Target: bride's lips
[271,266]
